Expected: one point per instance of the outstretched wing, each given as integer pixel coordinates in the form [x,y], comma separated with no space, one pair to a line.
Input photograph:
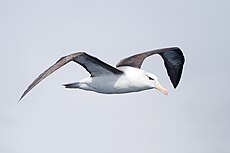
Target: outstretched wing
[173,61]
[93,65]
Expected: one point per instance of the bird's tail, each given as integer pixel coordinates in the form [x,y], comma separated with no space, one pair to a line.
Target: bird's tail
[72,85]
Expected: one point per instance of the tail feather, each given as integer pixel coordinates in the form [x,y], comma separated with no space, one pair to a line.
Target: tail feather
[72,85]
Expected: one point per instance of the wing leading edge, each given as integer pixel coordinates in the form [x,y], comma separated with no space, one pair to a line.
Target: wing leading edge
[173,61]
[92,64]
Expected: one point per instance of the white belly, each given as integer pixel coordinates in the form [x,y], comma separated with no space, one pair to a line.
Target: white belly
[116,84]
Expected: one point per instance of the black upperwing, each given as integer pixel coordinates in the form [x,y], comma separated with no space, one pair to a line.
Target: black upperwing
[173,61]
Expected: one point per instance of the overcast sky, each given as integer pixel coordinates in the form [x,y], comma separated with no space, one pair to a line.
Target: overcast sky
[194,118]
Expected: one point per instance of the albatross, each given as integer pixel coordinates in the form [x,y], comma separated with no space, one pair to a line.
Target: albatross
[124,78]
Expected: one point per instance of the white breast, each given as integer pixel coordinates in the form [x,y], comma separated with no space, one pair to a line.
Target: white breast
[132,80]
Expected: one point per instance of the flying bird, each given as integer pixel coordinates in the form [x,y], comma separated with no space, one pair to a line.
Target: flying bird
[124,78]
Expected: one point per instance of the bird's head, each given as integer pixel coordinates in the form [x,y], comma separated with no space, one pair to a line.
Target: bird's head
[153,80]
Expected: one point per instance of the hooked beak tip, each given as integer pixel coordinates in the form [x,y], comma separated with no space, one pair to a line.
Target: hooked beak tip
[165,92]
[161,88]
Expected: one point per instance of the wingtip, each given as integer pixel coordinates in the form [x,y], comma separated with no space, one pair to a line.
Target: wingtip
[20,98]
[174,86]
[18,101]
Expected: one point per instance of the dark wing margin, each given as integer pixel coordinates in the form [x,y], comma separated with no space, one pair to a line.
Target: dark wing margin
[93,65]
[135,60]
[61,62]
[173,61]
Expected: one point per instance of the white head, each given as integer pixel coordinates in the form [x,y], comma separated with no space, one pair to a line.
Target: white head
[153,80]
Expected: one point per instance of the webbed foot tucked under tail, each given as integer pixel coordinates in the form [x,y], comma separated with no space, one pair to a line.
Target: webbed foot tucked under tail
[72,85]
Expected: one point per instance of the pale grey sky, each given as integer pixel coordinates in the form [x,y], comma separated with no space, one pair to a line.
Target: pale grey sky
[194,118]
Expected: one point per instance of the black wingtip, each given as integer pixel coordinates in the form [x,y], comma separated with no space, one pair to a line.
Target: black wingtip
[21,97]
[174,62]
[175,85]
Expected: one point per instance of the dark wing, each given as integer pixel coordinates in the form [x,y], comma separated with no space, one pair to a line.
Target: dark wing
[93,65]
[173,61]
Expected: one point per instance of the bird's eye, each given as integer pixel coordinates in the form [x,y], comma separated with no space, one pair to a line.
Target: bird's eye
[150,78]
